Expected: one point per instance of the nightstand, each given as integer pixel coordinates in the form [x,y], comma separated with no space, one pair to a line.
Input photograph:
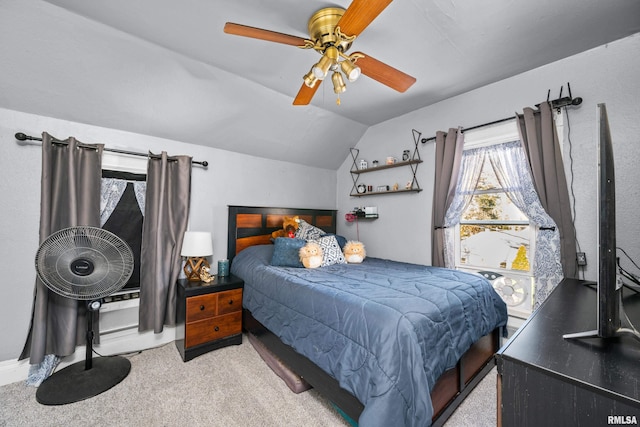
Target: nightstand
[209,315]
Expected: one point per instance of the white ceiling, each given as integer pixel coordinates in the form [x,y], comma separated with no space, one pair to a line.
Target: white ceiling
[165,68]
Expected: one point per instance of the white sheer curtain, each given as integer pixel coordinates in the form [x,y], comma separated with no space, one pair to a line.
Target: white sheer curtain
[111,191]
[510,165]
[470,170]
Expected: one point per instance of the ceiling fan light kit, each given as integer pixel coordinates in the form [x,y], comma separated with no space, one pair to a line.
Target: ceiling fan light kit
[350,70]
[329,58]
[332,31]
[310,79]
[327,39]
[338,83]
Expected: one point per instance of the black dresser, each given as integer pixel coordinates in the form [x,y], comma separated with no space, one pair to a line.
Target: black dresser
[544,379]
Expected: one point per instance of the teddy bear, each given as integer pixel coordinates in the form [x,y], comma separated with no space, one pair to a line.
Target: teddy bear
[354,252]
[311,255]
[289,226]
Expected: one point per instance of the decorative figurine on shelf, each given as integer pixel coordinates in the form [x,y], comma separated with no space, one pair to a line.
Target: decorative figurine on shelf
[408,185]
[396,186]
[363,164]
[205,276]
[405,155]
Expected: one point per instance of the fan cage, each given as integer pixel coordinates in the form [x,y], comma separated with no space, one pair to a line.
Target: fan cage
[511,290]
[109,260]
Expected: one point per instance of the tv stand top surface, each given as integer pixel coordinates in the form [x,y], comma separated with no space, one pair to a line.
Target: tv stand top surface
[612,364]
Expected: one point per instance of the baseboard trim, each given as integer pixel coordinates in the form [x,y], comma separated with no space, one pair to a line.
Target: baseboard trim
[121,342]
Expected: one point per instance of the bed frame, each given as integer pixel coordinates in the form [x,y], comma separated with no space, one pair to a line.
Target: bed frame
[250,226]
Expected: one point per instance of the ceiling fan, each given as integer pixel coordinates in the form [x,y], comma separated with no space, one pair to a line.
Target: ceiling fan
[332,30]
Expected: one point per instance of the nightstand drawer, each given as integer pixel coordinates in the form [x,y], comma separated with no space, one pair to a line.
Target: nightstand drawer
[208,315]
[229,301]
[201,307]
[214,328]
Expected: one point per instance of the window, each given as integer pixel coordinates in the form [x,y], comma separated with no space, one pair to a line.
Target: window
[123,214]
[493,234]
[122,204]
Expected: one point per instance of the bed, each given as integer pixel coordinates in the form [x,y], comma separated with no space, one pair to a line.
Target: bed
[361,333]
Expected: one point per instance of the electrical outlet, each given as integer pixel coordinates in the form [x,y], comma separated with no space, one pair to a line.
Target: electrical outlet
[581,257]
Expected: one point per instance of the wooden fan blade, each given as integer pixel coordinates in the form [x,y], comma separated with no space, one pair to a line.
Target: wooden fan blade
[305,94]
[385,74]
[259,33]
[360,14]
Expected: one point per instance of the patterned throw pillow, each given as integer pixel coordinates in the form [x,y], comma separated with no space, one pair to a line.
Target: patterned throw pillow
[331,252]
[307,231]
[341,239]
[285,252]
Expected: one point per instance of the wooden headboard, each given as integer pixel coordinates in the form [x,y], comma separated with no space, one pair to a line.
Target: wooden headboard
[249,225]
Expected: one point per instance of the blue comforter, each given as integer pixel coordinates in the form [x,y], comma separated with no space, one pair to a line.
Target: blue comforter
[385,330]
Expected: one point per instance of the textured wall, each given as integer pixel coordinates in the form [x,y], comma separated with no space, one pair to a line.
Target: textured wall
[607,74]
[231,179]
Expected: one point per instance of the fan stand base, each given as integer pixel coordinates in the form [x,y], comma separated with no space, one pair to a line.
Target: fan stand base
[75,383]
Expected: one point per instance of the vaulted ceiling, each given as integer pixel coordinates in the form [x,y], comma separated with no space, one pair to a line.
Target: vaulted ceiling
[167,69]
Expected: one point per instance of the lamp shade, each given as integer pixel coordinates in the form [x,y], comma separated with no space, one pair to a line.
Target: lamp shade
[329,58]
[338,83]
[310,79]
[197,244]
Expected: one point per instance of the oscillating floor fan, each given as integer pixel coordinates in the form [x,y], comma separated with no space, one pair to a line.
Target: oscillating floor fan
[87,264]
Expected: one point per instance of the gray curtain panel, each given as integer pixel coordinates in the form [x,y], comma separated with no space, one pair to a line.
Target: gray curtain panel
[70,196]
[165,221]
[540,141]
[449,148]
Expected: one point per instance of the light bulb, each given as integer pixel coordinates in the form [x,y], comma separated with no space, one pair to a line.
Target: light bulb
[350,70]
[329,58]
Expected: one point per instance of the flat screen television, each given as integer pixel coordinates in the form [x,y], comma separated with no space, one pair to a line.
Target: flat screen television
[611,320]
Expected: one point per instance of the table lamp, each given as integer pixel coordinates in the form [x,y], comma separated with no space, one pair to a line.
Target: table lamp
[196,245]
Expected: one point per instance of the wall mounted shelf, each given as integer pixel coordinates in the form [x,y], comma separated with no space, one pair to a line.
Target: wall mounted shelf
[381,193]
[413,162]
[361,216]
[379,168]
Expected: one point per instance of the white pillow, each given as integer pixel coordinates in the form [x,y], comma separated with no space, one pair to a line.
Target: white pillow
[331,251]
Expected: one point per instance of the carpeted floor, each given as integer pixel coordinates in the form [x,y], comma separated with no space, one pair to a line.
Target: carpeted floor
[231,386]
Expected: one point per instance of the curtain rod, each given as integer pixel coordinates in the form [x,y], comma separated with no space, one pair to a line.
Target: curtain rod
[22,137]
[567,101]
[495,122]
